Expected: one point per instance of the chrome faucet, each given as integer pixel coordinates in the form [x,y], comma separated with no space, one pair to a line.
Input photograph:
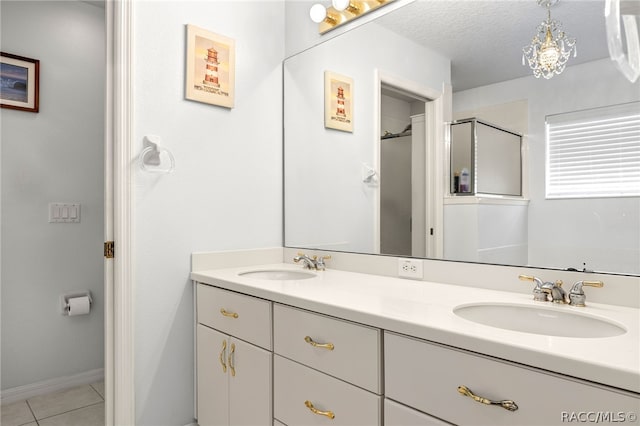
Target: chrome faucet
[555,291]
[576,294]
[311,262]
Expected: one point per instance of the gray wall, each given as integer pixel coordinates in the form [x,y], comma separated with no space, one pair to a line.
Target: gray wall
[55,155]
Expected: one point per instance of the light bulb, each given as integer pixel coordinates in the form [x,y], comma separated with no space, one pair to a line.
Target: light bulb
[340,4]
[317,13]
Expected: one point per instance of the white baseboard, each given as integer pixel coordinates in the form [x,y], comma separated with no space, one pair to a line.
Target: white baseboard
[20,393]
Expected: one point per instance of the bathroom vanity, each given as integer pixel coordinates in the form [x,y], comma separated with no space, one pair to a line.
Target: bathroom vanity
[345,348]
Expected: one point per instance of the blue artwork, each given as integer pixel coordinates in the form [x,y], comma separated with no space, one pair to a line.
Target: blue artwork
[13,82]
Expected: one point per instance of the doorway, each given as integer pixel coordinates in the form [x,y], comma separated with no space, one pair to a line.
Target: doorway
[55,156]
[402,172]
[419,182]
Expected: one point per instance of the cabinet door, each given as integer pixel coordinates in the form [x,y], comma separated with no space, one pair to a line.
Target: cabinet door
[212,380]
[399,415]
[250,384]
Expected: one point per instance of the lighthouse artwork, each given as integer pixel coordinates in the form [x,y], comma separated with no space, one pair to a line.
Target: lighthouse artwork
[211,73]
[210,67]
[338,102]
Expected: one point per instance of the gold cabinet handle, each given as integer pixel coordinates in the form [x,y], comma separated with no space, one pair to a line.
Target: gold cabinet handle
[231,366]
[224,312]
[310,341]
[223,355]
[506,404]
[314,410]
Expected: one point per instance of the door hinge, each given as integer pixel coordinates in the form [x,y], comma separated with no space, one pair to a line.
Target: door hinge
[109,249]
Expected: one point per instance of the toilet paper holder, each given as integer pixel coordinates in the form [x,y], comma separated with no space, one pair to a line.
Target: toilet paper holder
[64,300]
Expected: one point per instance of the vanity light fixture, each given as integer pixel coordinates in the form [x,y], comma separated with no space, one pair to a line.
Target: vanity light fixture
[341,12]
[550,48]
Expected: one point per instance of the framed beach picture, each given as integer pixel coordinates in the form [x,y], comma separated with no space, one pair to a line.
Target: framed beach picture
[210,67]
[19,82]
[338,102]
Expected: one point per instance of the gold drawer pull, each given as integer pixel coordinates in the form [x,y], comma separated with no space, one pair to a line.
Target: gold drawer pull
[231,366]
[310,341]
[314,410]
[222,356]
[506,404]
[228,314]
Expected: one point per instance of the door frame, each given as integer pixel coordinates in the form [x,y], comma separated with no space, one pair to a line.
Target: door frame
[437,112]
[118,271]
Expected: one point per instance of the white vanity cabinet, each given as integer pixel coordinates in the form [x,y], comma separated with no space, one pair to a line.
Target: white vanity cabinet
[326,370]
[264,360]
[234,376]
[426,376]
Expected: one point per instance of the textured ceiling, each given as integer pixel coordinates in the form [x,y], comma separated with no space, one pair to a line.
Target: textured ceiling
[484,39]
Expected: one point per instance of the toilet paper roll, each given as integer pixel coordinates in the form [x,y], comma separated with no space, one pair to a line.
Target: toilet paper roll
[79,306]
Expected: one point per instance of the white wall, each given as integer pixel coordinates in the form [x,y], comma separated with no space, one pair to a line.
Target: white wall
[326,164]
[566,233]
[225,193]
[55,155]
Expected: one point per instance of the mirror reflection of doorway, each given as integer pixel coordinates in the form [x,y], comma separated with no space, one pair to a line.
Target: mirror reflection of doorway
[402,172]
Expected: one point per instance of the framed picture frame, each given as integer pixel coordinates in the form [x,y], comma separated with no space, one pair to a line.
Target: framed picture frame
[210,67]
[338,102]
[19,82]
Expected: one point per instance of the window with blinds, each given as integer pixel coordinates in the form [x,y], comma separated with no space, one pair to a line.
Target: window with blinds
[594,153]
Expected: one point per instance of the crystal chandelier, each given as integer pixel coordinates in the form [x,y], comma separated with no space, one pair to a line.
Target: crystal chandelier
[550,48]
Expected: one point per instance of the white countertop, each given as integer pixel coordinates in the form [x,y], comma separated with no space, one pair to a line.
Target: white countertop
[424,309]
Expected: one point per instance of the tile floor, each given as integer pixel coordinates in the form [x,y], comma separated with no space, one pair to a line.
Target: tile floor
[79,406]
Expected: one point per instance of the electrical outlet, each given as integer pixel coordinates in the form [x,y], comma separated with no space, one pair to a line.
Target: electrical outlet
[410,268]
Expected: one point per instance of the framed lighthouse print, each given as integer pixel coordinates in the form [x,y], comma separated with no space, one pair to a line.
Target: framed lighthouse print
[338,102]
[210,67]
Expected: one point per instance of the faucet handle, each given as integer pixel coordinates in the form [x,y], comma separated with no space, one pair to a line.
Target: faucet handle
[320,265]
[576,294]
[538,294]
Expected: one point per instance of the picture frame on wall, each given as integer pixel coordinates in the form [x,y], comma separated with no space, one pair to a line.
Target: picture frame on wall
[19,82]
[210,67]
[338,102]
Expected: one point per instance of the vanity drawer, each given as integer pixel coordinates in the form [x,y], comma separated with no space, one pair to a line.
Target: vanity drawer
[356,353]
[295,384]
[400,415]
[245,317]
[426,376]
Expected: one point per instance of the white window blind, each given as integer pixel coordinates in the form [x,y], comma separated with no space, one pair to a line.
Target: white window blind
[594,153]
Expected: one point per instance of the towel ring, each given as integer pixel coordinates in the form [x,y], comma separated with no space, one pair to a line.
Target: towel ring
[154,160]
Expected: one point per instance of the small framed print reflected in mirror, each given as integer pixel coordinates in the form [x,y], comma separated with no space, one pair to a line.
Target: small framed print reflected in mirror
[338,102]
[19,82]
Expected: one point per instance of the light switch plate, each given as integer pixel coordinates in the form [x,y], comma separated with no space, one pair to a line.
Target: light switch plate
[64,212]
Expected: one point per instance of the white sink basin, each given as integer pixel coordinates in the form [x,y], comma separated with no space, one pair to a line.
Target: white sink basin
[278,275]
[540,320]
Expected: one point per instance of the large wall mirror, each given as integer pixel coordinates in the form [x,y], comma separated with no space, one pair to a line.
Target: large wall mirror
[386,186]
